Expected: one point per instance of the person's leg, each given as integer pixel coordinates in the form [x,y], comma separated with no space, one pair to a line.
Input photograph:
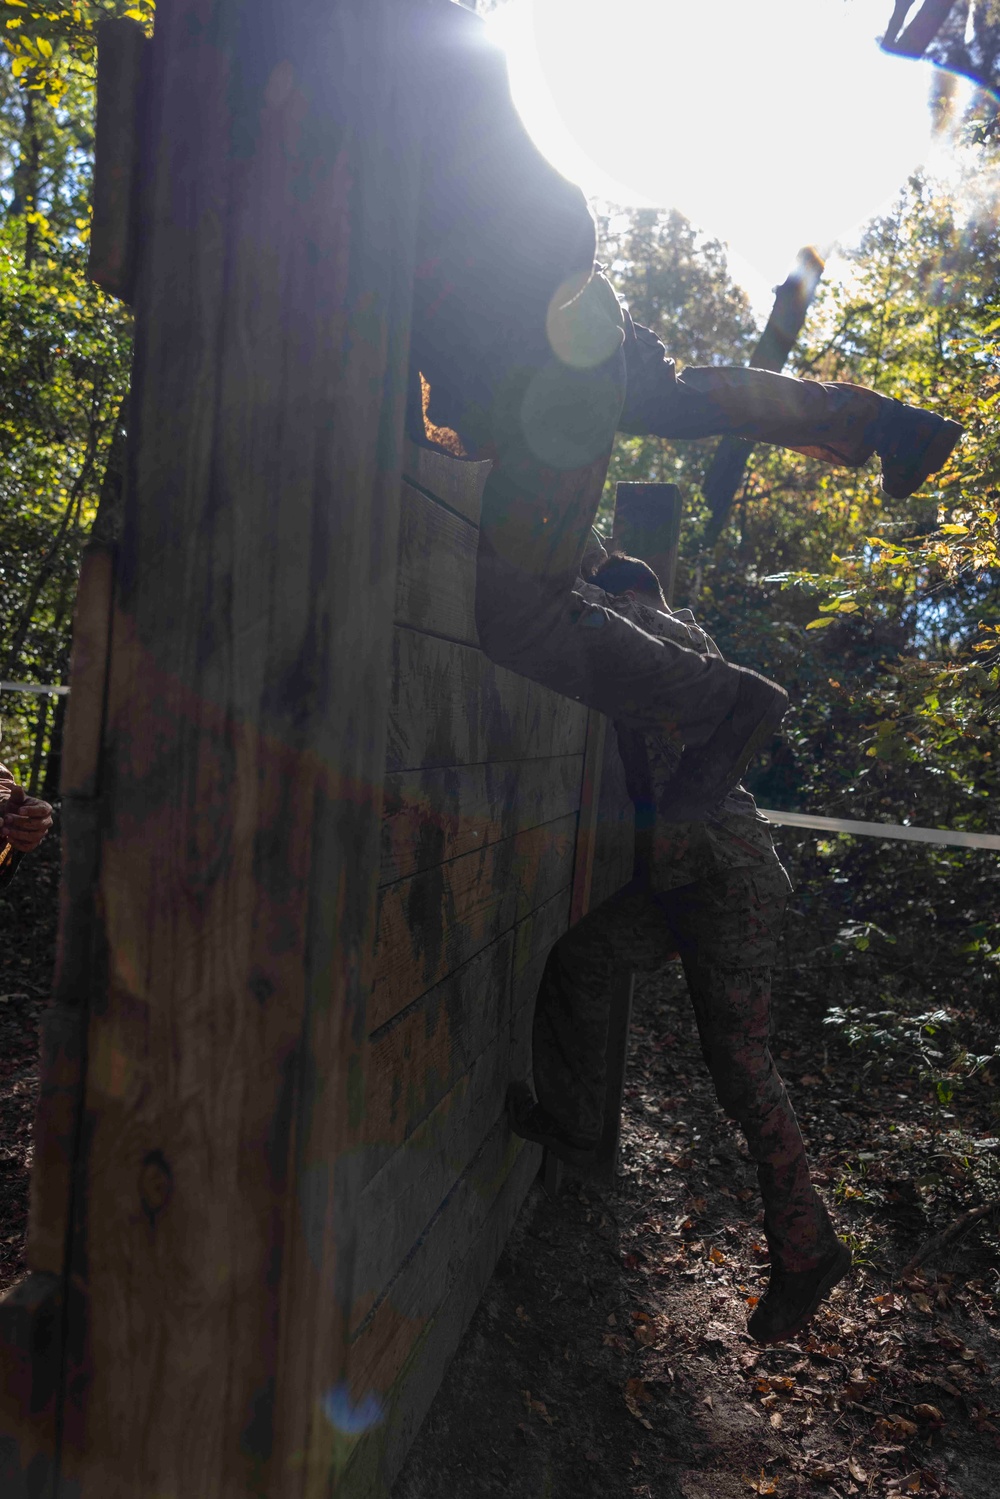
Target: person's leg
[552,434]
[831,420]
[726,932]
[569,1037]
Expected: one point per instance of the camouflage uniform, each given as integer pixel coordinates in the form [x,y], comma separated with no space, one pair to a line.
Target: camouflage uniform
[713,892]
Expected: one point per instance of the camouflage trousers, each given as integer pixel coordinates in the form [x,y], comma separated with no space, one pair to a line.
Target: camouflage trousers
[550,433]
[725,931]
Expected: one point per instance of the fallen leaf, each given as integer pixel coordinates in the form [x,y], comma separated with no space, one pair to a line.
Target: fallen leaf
[763,1484]
[636,1394]
[646,1334]
[928,1413]
[537,1407]
[777,1419]
[717,1257]
[822,1473]
[708,1401]
[856,1471]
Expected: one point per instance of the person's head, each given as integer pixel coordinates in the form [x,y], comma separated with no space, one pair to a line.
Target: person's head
[621,574]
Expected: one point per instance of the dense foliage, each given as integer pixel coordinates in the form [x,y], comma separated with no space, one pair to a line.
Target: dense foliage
[64,355]
[881,617]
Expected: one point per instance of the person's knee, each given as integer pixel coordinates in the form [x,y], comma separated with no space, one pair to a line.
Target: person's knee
[744,1079]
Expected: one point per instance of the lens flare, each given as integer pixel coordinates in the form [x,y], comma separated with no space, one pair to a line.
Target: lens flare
[352,1417]
[769,125]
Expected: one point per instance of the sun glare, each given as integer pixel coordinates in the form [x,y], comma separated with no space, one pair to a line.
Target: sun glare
[770,124]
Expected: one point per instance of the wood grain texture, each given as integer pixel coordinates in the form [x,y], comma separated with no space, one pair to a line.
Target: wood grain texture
[614,854]
[586,832]
[404,1193]
[436,581]
[372,1465]
[431,816]
[457,483]
[122,62]
[648,525]
[246,740]
[431,923]
[449,705]
[31,1351]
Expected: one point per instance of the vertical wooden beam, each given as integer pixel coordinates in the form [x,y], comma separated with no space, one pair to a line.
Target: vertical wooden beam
[586,832]
[122,56]
[648,526]
[211,1243]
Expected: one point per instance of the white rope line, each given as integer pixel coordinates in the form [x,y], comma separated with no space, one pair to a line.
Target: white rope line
[32,687]
[882,829]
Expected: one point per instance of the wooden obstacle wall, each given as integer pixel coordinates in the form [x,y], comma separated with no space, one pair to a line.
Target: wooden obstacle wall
[317,846]
[488,786]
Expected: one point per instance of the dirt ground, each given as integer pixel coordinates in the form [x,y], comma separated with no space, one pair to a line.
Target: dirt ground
[609,1358]
[28,912]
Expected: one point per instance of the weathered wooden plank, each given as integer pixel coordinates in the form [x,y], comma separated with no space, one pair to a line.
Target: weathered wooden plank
[247,721]
[648,525]
[30,1347]
[451,706]
[418,1058]
[122,62]
[436,920]
[457,482]
[430,816]
[436,581]
[386,1336]
[586,834]
[372,1465]
[406,1190]
[614,855]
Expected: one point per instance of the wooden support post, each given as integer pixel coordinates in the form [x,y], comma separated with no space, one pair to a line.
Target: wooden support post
[122,59]
[203,1343]
[648,525]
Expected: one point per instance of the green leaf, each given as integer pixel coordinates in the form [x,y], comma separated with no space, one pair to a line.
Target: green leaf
[820,624]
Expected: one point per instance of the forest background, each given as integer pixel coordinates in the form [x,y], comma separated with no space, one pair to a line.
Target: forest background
[882,618]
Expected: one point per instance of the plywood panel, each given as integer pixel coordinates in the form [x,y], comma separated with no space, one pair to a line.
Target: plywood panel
[435,921]
[431,816]
[615,836]
[460,485]
[416,1059]
[403,1195]
[423,1349]
[436,581]
[451,706]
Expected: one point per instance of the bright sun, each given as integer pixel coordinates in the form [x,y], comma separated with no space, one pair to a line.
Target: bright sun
[769,123]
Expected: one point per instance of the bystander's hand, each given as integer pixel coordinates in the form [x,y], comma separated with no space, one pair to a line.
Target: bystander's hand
[24,820]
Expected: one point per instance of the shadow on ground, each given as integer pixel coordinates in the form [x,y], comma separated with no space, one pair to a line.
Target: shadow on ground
[609,1355]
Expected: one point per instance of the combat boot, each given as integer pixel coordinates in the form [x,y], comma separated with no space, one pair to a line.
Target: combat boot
[912,444]
[532,1121]
[708,773]
[793,1295]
